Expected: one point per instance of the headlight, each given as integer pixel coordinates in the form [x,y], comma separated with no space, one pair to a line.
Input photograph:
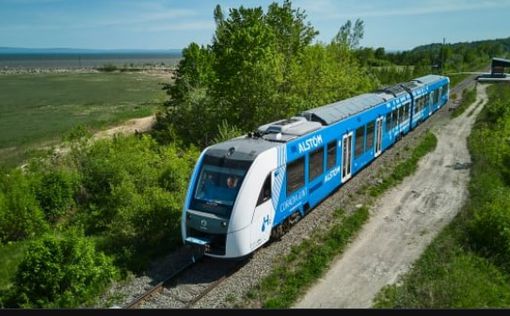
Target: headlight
[223,224]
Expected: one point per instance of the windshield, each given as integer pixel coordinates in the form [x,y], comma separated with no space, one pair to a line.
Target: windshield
[218,183]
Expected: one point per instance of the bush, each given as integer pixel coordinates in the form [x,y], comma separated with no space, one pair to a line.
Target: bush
[134,193]
[61,271]
[20,214]
[55,193]
[490,229]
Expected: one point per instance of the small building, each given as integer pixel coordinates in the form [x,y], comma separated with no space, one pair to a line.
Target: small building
[497,74]
[498,67]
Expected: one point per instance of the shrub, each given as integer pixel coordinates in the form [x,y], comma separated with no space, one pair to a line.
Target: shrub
[20,214]
[55,193]
[135,190]
[61,271]
[490,229]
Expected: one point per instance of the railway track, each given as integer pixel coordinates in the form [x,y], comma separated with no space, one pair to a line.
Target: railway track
[188,283]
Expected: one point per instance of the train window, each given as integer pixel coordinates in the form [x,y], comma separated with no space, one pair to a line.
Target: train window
[388,122]
[331,154]
[316,164]
[370,135]
[295,175]
[265,193]
[394,117]
[436,96]
[445,89]
[406,111]
[400,114]
[360,133]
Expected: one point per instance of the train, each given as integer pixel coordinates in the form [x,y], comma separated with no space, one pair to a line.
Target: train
[251,189]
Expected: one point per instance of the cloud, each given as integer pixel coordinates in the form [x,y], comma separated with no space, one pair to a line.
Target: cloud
[148,17]
[328,9]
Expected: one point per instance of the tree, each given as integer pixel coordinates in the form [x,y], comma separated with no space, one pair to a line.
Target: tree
[252,71]
[349,35]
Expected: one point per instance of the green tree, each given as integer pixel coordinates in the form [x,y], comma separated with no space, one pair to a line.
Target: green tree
[256,72]
[350,35]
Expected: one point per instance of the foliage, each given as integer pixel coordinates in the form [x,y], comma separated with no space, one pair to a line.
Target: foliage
[490,227]
[350,35]
[12,254]
[132,195]
[226,132]
[68,272]
[462,56]
[260,67]
[55,193]
[20,214]
[448,280]
[448,59]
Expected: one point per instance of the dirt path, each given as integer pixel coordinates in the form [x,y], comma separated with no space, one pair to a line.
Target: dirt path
[132,126]
[403,221]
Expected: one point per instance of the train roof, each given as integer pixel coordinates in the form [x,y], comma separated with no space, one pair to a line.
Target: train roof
[428,79]
[241,148]
[395,90]
[248,147]
[334,112]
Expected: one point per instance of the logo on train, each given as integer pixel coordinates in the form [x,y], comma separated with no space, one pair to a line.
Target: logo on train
[310,143]
[265,222]
[293,200]
[331,174]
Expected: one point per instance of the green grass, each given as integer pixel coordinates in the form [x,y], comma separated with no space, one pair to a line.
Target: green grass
[10,257]
[468,98]
[39,108]
[462,268]
[309,260]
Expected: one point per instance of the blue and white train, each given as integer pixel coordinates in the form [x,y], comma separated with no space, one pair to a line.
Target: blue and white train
[248,189]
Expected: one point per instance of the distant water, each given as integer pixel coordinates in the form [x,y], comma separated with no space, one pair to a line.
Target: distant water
[84,60]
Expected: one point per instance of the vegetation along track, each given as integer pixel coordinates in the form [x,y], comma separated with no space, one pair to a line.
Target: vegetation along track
[237,279]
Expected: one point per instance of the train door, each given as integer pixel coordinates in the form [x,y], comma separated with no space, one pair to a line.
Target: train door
[263,215]
[430,103]
[378,136]
[346,157]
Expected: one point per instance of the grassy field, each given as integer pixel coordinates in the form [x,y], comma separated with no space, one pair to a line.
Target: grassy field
[39,108]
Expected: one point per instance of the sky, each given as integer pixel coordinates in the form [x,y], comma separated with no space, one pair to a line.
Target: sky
[174,24]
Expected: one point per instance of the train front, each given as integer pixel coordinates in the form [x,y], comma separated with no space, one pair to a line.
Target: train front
[219,208]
